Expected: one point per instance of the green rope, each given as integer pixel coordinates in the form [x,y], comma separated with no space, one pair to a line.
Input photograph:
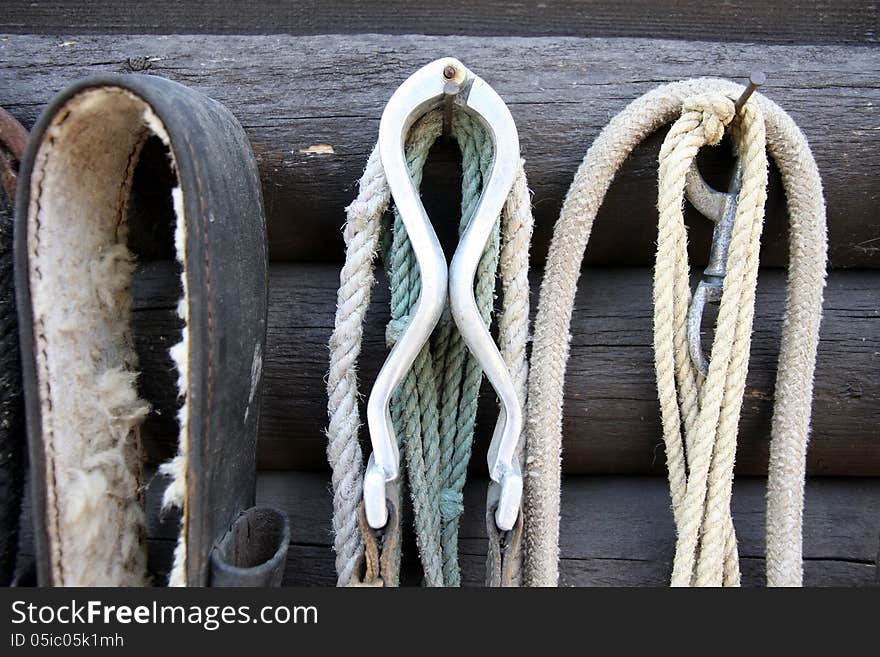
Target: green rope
[434,408]
[462,373]
[415,398]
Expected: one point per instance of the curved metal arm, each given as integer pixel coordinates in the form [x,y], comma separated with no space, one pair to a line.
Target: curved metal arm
[503,464]
[412,99]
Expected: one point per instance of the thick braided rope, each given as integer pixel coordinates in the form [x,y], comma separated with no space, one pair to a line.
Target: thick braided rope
[719,562]
[702,509]
[361,234]
[794,384]
[415,405]
[344,454]
[513,320]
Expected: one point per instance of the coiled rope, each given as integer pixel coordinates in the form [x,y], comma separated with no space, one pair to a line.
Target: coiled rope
[434,408]
[700,465]
[700,462]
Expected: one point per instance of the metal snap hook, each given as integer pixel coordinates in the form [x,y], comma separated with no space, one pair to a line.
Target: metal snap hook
[442,83]
[720,208]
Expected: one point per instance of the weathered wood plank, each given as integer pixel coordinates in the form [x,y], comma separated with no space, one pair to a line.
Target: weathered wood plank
[790,21]
[611,422]
[615,531]
[618,530]
[294,92]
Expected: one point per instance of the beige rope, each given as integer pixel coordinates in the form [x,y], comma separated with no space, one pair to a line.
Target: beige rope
[794,384]
[355,285]
[706,547]
[513,321]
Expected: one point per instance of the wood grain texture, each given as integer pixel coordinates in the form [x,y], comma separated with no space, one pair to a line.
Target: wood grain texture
[615,531]
[618,531]
[611,421]
[788,21]
[295,93]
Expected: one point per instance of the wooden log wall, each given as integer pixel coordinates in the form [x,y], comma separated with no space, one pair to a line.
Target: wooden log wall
[612,420]
[843,22]
[615,531]
[311,107]
[308,82]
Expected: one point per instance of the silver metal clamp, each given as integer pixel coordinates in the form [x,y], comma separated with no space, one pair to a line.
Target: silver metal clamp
[445,83]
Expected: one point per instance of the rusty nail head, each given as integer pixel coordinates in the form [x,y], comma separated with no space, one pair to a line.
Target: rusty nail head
[756,79]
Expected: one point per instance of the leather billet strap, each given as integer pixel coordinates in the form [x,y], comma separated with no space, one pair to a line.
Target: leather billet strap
[254,550]
[13,138]
[72,271]
[380,564]
[503,558]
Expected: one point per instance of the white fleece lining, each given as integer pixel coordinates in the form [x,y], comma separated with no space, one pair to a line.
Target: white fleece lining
[80,272]
[175,494]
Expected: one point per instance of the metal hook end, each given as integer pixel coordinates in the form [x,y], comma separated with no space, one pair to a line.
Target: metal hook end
[694,326]
[375,507]
[756,79]
[720,208]
[509,501]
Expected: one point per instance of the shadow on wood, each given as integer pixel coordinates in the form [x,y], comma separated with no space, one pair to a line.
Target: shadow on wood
[615,531]
[611,420]
[311,107]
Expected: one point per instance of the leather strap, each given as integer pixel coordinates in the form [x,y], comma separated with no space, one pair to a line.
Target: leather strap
[254,550]
[504,549]
[13,138]
[380,565]
[223,231]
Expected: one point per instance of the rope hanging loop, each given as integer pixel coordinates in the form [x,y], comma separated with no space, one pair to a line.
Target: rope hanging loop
[720,208]
[702,122]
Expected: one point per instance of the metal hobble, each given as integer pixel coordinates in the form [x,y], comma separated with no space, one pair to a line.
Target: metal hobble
[450,83]
[423,402]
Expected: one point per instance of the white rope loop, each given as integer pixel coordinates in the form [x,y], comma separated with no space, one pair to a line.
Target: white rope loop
[794,385]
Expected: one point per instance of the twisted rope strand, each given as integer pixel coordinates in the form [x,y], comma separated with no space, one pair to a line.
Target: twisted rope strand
[703,520]
[463,374]
[344,454]
[414,403]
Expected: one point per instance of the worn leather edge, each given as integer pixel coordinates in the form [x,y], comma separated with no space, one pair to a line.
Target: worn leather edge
[13,139]
[257,528]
